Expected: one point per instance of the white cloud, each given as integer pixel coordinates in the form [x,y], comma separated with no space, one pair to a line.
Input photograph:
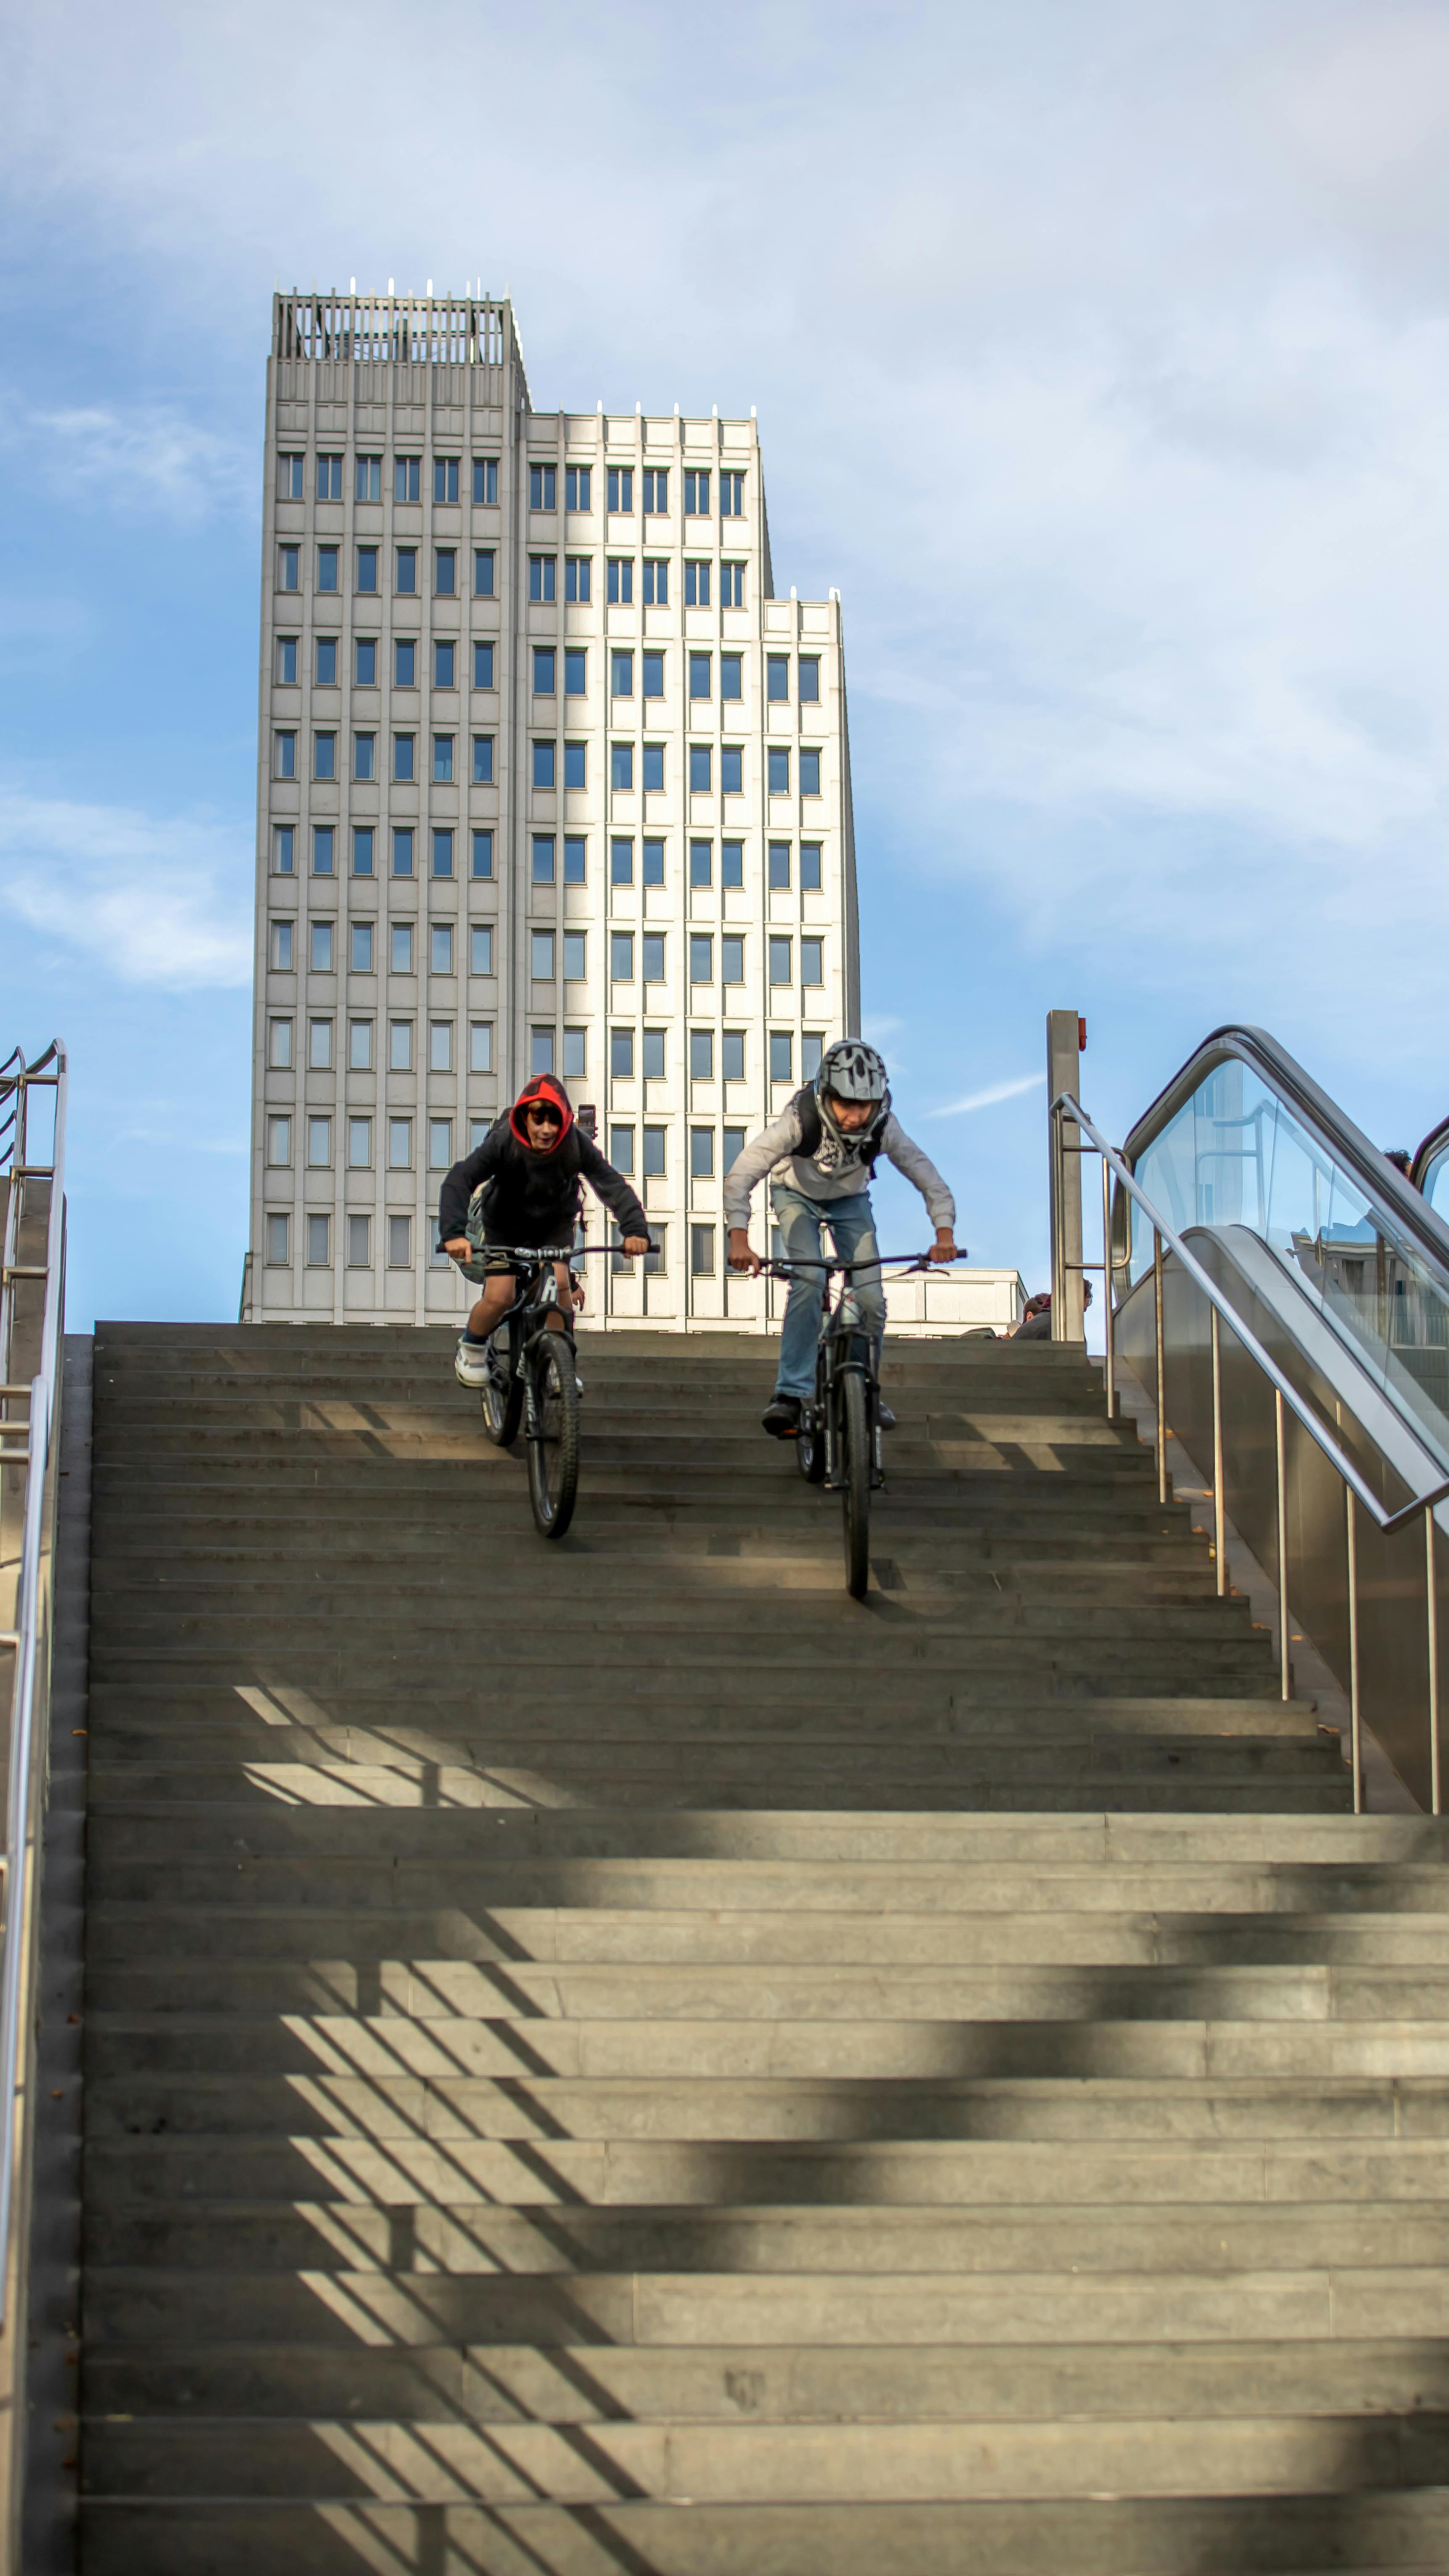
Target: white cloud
[162,902]
[988,1098]
[143,458]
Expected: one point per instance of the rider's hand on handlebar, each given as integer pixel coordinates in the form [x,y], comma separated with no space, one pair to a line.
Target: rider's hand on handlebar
[634,1244]
[459,1249]
[944,1247]
[741,1257]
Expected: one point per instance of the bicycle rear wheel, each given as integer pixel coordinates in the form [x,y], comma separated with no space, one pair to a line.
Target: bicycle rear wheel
[502,1395]
[553,1441]
[855,1482]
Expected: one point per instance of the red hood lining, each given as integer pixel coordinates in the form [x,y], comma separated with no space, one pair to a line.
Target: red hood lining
[542,1087]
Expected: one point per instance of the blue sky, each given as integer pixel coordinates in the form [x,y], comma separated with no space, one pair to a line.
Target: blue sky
[1102,361]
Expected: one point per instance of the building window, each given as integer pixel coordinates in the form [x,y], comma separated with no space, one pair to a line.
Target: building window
[701,1251]
[359,1242]
[440,1144]
[442,853]
[482,759]
[445,573]
[483,562]
[578,487]
[655,1142]
[319,1046]
[327,567]
[364,843]
[543,858]
[732,863]
[362,947]
[400,1046]
[291,472]
[656,491]
[732,769]
[543,764]
[621,862]
[359,1042]
[445,663]
[578,579]
[812,954]
[402,948]
[445,478]
[359,1144]
[405,664]
[576,955]
[699,674]
[279,1046]
[621,487]
[576,765]
[289,567]
[701,765]
[777,677]
[654,956]
[701,863]
[319,1143]
[621,1054]
[540,1051]
[322,947]
[319,1229]
[654,863]
[781,1055]
[779,770]
[701,1055]
[734,1146]
[696,496]
[621,765]
[575,859]
[807,683]
[364,755]
[403,748]
[731,675]
[545,670]
[653,768]
[732,958]
[543,956]
[407,570]
[809,773]
[483,666]
[621,675]
[482,948]
[286,661]
[480,1047]
[621,956]
[696,585]
[654,1055]
[367,570]
[732,1062]
[367,483]
[621,580]
[732,585]
[284,761]
[278,1234]
[621,1149]
[279,1142]
[283,934]
[543,487]
[407,478]
[810,866]
[485,481]
[400,1144]
[812,1048]
[402,850]
[442,758]
[442,948]
[542,570]
[399,1241]
[326,661]
[779,863]
[324,755]
[779,961]
[576,671]
[482,854]
[701,1153]
[732,496]
[656,581]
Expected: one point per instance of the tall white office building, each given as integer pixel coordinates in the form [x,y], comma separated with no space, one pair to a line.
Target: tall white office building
[549,779]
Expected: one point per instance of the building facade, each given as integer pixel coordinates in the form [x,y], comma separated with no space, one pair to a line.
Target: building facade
[549,779]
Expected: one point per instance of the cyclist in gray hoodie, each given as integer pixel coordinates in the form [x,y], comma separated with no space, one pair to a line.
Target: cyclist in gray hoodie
[821,1152]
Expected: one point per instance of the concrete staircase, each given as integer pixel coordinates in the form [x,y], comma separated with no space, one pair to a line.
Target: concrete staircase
[615,2060]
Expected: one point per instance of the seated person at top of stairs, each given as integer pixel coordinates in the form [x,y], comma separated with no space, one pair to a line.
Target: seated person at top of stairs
[522,1186]
[821,1153]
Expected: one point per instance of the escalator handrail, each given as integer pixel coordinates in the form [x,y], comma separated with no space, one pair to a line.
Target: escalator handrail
[1430,1151]
[1067,1107]
[1382,1183]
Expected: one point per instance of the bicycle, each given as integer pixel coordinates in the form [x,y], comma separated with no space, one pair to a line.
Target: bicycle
[839,1444]
[534,1385]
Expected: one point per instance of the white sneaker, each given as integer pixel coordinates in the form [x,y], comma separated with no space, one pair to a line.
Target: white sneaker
[471,1362]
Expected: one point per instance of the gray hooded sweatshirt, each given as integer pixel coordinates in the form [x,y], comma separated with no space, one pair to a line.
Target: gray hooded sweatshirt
[836,1169]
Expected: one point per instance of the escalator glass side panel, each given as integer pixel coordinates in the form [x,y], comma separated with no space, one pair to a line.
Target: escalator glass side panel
[1235,1154]
[1435,1183]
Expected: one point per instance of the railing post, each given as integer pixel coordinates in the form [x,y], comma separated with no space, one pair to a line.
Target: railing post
[1280,1449]
[1064,1050]
[1220,1508]
[1355,1746]
[1159,1342]
[1109,1321]
[1431,1571]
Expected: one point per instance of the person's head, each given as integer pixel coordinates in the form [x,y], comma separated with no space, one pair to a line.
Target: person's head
[541,1116]
[851,1087]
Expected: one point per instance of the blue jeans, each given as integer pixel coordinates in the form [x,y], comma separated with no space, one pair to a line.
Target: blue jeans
[802,1222]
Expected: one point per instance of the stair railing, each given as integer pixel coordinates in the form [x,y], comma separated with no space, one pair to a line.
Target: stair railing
[1067,1112]
[32,1296]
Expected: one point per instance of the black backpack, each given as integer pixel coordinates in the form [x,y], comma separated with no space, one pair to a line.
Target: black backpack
[812,1127]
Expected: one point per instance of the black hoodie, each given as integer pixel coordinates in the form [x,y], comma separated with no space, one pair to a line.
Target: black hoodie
[533,1197]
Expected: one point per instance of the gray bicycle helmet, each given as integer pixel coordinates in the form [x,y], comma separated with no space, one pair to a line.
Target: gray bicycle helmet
[852,1071]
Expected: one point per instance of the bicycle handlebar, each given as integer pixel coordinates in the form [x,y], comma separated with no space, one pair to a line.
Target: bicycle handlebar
[878,1260]
[558,1251]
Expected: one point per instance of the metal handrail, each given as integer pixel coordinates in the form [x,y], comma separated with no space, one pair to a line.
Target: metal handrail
[1358,1492]
[32,1628]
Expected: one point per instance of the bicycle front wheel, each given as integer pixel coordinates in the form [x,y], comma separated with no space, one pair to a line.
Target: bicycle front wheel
[855,1482]
[553,1440]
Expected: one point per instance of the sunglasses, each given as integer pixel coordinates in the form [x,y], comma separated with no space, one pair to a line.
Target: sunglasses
[542,1117]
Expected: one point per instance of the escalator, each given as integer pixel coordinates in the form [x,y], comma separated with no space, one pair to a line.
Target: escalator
[1336,1264]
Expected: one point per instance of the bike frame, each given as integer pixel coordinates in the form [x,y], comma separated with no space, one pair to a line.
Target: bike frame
[844,1350]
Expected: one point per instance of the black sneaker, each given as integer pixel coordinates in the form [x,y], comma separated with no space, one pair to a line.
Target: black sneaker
[885,1417]
[781,1417]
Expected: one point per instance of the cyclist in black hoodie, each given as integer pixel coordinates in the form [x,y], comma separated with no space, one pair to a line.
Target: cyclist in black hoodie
[522,1186]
